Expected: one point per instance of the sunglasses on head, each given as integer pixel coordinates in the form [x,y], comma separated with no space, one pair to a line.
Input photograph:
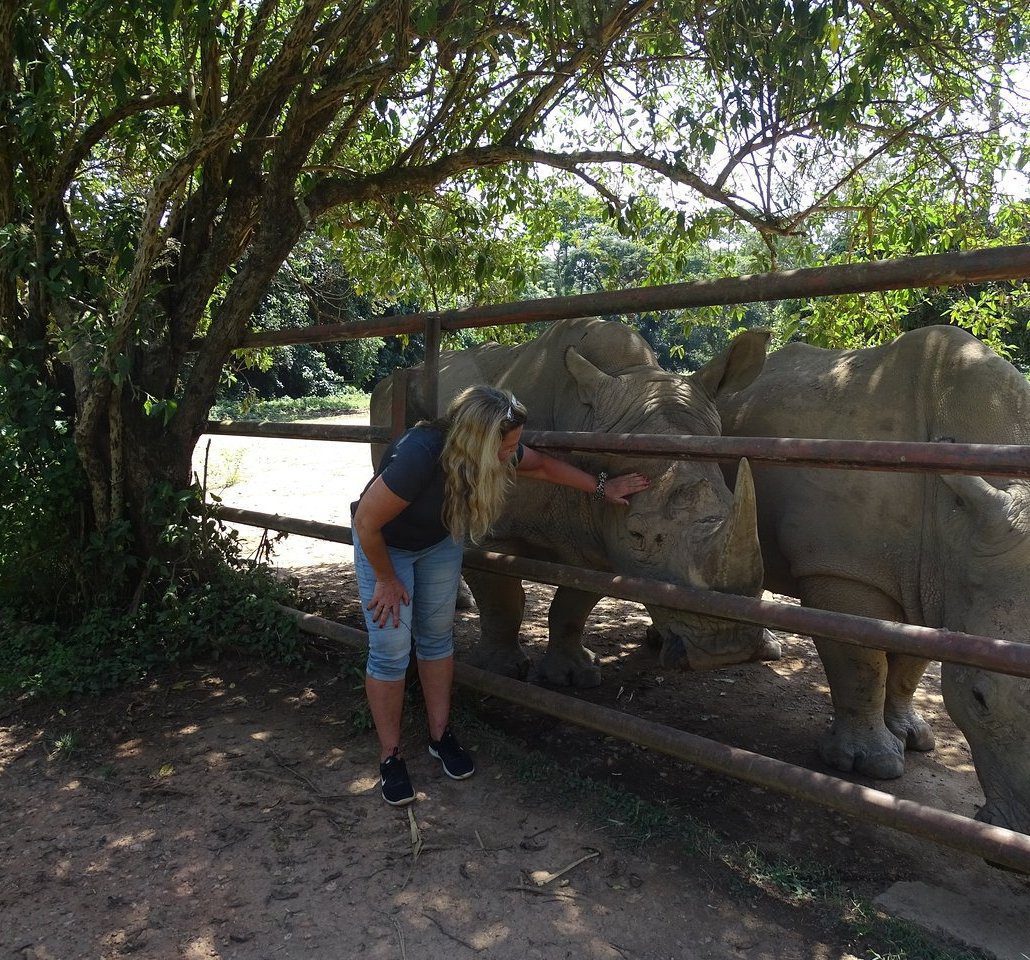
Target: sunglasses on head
[511,417]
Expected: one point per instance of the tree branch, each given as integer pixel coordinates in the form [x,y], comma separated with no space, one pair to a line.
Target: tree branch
[901,134]
[241,75]
[77,152]
[152,233]
[620,18]
[671,171]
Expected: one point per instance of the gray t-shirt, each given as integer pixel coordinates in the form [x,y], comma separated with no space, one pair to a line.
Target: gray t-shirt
[411,469]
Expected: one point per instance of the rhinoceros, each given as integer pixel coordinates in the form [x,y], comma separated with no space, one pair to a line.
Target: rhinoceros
[687,528]
[941,551]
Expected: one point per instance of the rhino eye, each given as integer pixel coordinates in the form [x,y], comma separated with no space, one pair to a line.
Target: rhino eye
[981,700]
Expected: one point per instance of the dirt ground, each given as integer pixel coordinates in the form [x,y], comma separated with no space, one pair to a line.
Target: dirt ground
[232,811]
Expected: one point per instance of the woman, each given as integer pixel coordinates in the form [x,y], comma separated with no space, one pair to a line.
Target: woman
[438,484]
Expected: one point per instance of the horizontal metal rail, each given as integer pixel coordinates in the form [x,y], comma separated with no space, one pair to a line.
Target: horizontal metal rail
[996,844]
[935,270]
[1003,656]
[298,431]
[1001,460]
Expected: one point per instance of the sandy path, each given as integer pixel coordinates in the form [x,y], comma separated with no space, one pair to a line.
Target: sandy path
[309,479]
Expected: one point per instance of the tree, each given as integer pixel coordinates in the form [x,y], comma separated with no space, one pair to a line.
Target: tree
[160,161]
[591,254]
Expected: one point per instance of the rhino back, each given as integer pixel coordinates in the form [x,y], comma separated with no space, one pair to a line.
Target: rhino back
[535,372]
[546,521]
[936,383]
[933,383]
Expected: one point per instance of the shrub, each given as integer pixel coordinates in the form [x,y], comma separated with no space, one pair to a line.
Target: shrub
[347,400]
[78,613]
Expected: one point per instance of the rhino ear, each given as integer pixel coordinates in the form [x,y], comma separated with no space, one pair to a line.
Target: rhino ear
[737,365]
[590,381]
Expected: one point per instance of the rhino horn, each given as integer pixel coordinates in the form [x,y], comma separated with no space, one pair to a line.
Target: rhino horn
[736,561]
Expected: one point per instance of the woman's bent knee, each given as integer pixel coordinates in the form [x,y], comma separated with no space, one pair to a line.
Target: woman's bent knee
[434,649]
[385,668]
[388,654]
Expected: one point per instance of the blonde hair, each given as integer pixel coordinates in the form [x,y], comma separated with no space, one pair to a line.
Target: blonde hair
[476,482]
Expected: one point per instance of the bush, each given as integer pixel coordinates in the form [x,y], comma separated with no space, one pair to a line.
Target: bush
[79,613]
[207,601]
[235,611]
[348,400]
[40,487]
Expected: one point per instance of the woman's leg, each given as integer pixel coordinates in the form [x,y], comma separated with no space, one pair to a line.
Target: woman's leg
[386,703]
[437,575]
[389,649]
[437,678]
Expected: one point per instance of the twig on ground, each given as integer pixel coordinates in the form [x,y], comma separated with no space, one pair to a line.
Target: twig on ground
[541,877]
[319,795]
[416,836]
[541,892]
[533,836]
[400,937]
[300,776]
[159,789]
[451,936]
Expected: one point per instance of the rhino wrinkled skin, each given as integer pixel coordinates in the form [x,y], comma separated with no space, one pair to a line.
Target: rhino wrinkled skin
[687,528]
[941,551]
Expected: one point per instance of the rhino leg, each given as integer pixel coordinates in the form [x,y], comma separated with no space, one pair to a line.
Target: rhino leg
[501,601]
[858,738]
[770,649]
[902,718]
[567,662]
[465,600]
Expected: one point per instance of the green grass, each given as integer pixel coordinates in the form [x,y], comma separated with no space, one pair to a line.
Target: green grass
[62,746]
[289,408]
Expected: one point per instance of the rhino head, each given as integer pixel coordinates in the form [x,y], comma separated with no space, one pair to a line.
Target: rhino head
[687,528]
[986,587]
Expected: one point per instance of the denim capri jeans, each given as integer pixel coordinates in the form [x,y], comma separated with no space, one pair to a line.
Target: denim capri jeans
[431,577]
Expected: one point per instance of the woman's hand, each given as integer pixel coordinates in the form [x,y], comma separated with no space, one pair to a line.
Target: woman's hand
[617,489]
[386,601]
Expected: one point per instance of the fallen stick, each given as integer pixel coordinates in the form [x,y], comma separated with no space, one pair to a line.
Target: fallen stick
[548,877]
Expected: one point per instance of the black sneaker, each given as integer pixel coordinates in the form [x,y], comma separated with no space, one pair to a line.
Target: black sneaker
[397,789]
[457,763]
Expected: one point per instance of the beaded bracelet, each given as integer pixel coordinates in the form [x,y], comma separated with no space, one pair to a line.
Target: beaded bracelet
[602,478]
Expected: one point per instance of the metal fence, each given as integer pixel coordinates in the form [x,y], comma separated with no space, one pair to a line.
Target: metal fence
[999,845]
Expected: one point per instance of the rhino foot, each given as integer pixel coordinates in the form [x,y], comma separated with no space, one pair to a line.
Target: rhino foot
[771,648]
[504,660]
[569,669]
[872,751]
[911,729]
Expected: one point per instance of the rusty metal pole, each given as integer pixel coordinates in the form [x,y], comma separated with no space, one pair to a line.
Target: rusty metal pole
[399,405]
[934,270]
[431,368]
[1001,846]
[337,432]
[989,459]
